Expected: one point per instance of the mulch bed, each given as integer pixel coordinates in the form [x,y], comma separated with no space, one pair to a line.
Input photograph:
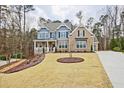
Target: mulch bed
[70,60]
[28,63]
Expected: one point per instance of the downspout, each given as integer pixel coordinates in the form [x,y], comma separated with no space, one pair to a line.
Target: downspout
[93,44]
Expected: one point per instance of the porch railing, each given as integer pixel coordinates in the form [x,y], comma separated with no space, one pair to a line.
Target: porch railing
[40,50]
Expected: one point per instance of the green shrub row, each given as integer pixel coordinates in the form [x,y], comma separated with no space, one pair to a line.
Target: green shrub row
[2,57]
[17,55]
[117,44]
[117,49]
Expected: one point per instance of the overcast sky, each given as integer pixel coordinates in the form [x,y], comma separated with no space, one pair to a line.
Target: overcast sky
[64,12]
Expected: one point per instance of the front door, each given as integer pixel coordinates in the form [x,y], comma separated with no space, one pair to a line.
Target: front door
[51,46]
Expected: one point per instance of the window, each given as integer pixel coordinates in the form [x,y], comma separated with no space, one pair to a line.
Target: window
[81,44]
[62,44]
[59,35]
[66,34]
[62,34]
[44,35]
[59,45]
[81,33]
[78,33]
[50,35]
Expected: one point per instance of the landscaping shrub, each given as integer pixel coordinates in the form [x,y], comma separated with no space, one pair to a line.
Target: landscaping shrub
[2,57]
[17,55]
[117,44]
[114,43]
[122,51]
[118,49]
[122,43]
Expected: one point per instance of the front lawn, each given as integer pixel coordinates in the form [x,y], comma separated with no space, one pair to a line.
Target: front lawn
[50,73]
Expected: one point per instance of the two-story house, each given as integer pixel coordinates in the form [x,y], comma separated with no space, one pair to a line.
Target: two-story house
[52,37]
[62,38]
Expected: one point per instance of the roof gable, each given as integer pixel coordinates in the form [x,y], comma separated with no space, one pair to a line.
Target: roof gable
[44,26]
[81,27]
[63,24]
[53,26]
[44,30]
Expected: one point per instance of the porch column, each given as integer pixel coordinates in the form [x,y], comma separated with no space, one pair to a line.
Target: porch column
[47,47]
[34,47]
[34,44]
[93,44]
[55,43]
[56,47]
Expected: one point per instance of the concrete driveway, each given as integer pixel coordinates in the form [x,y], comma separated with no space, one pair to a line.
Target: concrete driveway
[113,63]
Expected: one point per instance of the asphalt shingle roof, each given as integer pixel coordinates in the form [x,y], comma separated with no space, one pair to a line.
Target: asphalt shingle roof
[53,26]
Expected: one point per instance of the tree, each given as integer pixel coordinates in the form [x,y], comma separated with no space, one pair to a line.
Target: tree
[49,21]
[104,21]
[122,22]
[90,23]
[16,16]
[79,16]
[57,21]
[66,21]
[3,27]
[41,21]
[26,9]
[97,30]
[33,35]
[12,37]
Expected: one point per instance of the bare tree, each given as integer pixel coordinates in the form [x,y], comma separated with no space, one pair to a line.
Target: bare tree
[27,8]
[89,24]
[79,16]
[41,21]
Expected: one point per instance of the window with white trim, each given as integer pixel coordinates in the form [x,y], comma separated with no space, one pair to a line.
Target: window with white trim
[81,44]
[81,33]
[44,35]
[62,44]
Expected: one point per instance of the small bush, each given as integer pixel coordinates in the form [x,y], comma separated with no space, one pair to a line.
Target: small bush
[17,55]
[122,42]
[2,57]
[114,43]
[118,49]
[122,51]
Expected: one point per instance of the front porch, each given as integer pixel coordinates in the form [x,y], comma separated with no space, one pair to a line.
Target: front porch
[44,46]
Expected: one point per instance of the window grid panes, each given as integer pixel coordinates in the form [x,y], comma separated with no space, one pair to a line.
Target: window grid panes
[44,35]
[81,33]
[81,44]
[63,35]
[63,44]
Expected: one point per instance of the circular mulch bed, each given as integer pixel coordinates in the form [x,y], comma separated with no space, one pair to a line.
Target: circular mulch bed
[70,60]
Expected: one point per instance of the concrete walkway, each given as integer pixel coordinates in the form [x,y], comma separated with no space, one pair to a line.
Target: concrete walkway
[113,63]
[12,65]
[6,62]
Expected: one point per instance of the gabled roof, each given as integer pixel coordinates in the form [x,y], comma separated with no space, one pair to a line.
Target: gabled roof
[44,26]
[95,39]
[63,24]
[53,26]
[82,27]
